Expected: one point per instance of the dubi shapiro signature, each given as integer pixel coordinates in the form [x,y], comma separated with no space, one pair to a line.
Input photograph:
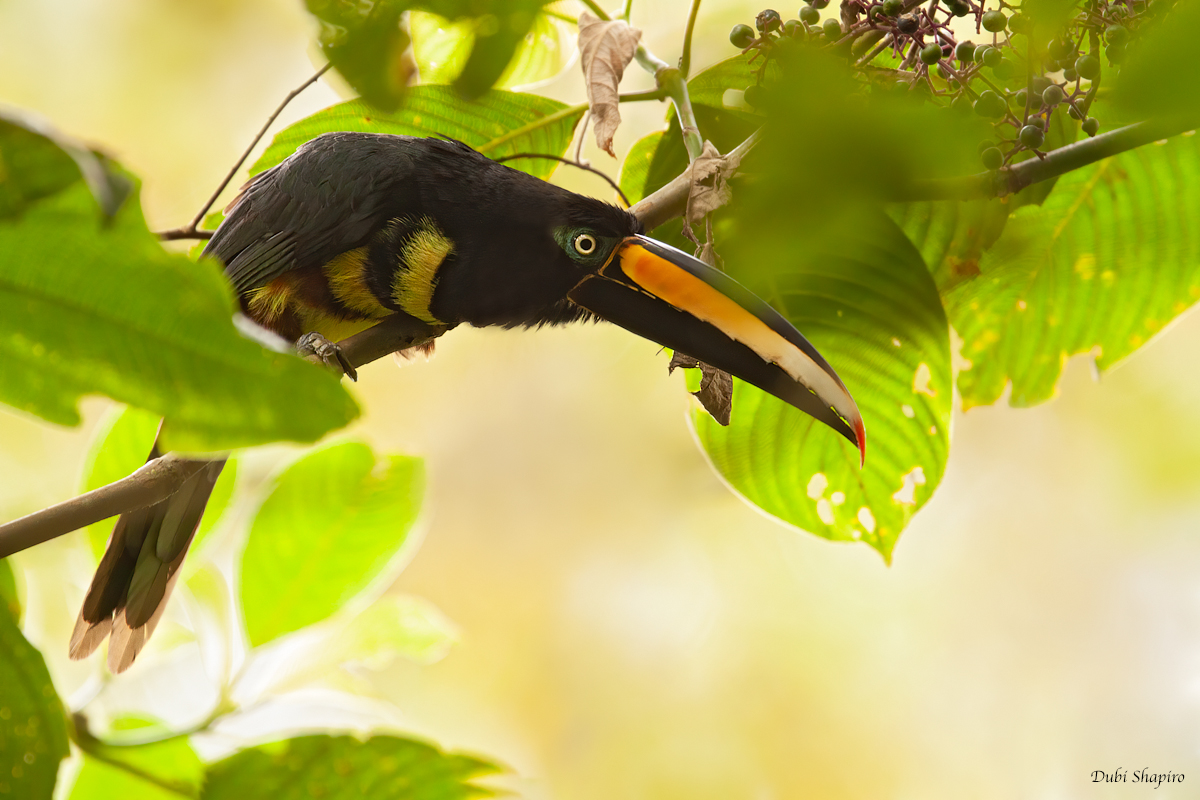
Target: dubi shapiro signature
[1141,776]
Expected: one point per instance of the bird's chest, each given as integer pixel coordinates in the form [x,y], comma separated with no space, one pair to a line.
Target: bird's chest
[510,286]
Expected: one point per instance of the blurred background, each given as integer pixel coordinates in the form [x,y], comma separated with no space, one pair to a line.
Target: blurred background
[628,627]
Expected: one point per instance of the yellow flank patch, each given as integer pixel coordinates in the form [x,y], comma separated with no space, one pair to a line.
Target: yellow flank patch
[329,326]
[266,303]
[346,275]
[416,273]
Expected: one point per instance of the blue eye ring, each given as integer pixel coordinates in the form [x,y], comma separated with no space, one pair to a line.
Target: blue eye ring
[585,244]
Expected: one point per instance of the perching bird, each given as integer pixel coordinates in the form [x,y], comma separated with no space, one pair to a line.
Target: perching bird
[356,227]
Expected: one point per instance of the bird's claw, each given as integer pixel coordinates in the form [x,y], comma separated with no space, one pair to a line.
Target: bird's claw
[329,353]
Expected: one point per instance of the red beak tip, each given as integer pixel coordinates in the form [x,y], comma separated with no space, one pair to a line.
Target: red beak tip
[860,432]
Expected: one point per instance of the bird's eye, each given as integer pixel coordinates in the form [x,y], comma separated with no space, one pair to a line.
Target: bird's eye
[585,244]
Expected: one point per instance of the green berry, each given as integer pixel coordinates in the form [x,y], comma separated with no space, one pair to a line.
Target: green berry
[931,54]
[980,53]
[833,29]
[893,8]
[792,28]
[908,24]
[819,4]
[768,20]
[1116,34]
[1021,99]
[741,36]
[1115,53]
[810,15]
[1061,49]
[1032,136]
[1070,75]
[992,57]
[992,158]
[1003,69]
[1091,126]
[990,105]
[1018,24]
[1053,95]
[1040,83]
[959,8]
[965,51]
[961,102]
[994,21]
[1074,113]
[943,73]
[984,145]
[753,95]
[1088,67]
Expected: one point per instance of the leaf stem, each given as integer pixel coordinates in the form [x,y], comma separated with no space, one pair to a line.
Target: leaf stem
[685,60]
[596,9]
[673,82]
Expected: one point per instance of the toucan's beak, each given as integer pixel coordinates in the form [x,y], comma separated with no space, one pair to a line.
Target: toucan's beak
[678,301]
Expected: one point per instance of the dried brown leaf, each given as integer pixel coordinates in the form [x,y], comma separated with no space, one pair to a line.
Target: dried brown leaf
[716,386]
[605,48]
[709,186]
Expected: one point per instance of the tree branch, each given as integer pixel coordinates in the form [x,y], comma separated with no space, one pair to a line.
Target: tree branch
[190,231]
[154,481]
[1056,162]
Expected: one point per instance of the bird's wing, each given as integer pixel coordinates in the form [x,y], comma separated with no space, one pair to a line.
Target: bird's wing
[328,198]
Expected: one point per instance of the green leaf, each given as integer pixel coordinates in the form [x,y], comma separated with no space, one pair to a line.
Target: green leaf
[497,37]
[365,43]
[37,161]
[33,729]
[441,47]
[497,124]
[345,768]
[332,524]
[88,307]
[158,771]
[635,169]
[1161,75]
[395,625]
[860,292]
[1105,263]
[708,87]
[121,445]
[656,159]
[10,601]
[952,235]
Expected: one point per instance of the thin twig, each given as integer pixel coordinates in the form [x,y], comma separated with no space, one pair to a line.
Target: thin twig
[685,60]
[190,231]
[573,163]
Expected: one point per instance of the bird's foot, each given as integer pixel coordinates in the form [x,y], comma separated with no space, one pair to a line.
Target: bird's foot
[327,352]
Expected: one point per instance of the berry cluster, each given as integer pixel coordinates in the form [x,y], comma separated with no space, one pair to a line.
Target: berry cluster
[1017,77]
